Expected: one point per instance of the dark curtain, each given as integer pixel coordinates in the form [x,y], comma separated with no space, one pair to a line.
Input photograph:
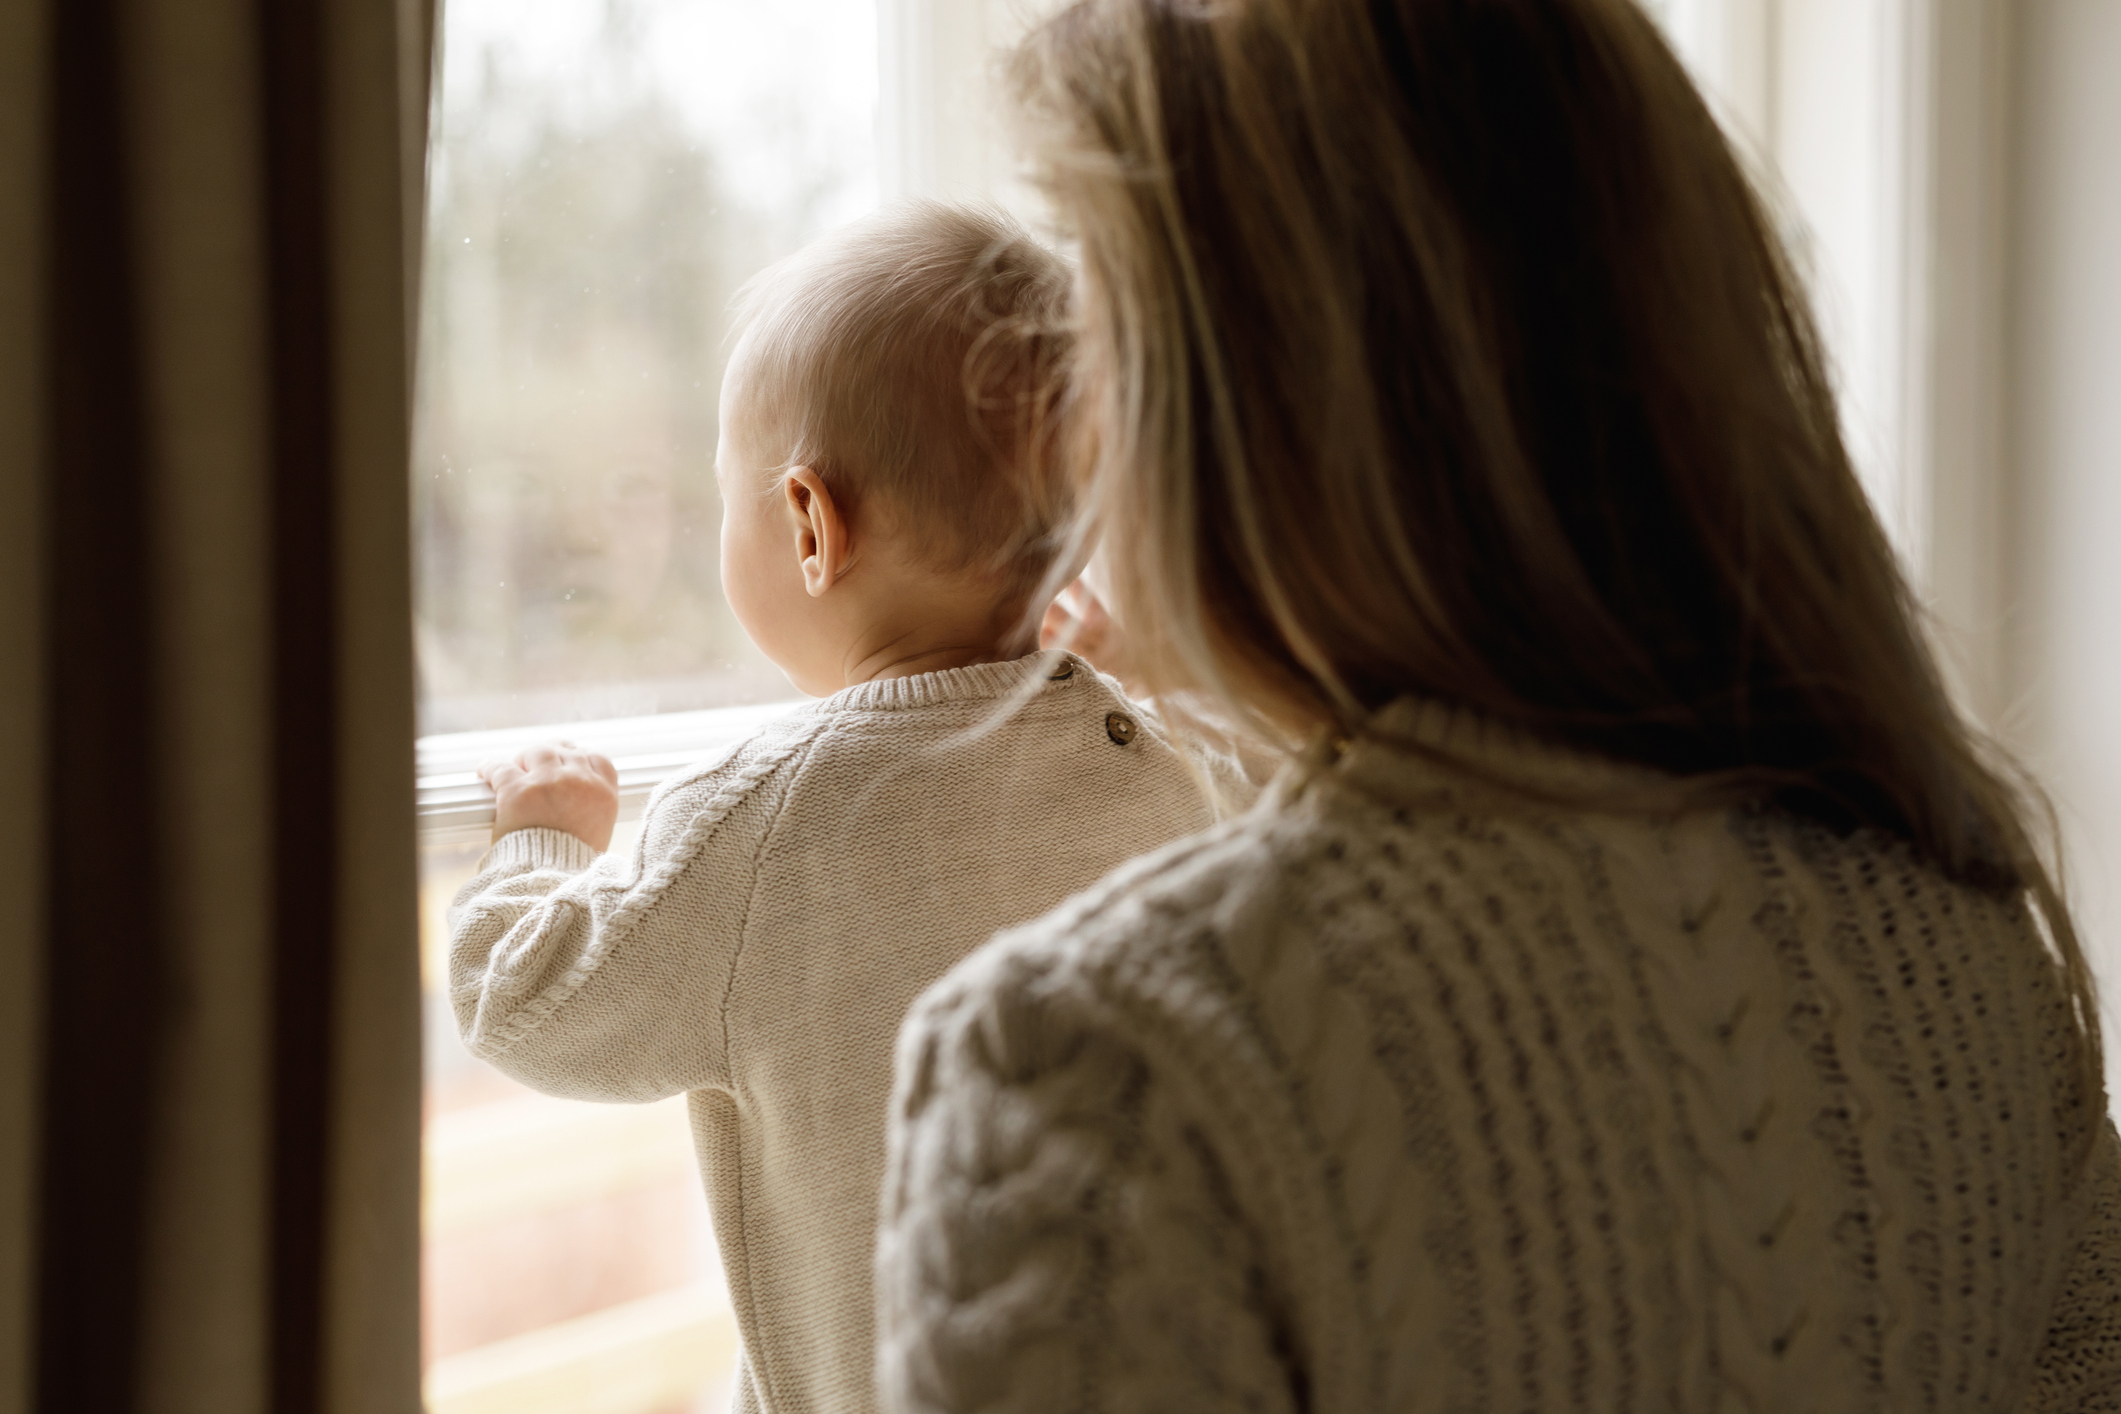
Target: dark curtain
[209,1055]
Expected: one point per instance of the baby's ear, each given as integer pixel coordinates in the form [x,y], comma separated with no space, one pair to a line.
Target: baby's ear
[820,530]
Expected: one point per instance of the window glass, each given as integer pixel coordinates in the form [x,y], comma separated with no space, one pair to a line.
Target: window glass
[604,175]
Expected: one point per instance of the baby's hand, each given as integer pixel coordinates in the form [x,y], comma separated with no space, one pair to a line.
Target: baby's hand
[1079,622]
[557,788]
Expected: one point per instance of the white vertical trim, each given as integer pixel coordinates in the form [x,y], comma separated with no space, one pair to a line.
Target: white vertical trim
[905,126]
[1963,406]
[941,129]
[1729,47]
[1834,101]
[1838,144]
[933,129]
[1911,245]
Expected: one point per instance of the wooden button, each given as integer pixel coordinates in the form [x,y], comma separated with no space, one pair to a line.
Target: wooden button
[1062,673]
[1120,727]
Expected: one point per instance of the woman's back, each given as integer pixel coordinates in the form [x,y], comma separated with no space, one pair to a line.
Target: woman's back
[1413,1096]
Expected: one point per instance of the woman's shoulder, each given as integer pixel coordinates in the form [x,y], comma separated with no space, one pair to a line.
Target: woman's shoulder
[1265,915]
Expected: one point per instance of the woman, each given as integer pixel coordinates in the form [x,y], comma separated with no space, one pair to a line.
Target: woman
[1641,992]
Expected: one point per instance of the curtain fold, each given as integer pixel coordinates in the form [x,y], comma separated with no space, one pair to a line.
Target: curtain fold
[209,1092]
[23,62]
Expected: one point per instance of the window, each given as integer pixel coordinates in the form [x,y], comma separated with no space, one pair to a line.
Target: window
[604,176]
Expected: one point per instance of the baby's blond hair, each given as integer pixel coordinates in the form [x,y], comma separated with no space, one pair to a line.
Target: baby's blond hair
[908,359]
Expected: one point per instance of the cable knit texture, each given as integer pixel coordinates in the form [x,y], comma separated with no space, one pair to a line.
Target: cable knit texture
[760,945]
[1406,1094]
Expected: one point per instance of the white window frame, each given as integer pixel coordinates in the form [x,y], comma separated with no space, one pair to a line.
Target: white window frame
[455,807]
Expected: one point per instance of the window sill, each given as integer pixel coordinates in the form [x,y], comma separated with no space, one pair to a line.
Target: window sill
[455,806]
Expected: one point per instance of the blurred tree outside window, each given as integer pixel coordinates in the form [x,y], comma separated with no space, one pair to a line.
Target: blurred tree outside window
[604,177]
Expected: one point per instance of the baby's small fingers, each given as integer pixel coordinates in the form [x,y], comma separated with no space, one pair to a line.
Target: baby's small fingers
[541,755]
[1057,628]
[575,758]
[603,767]
[500,773]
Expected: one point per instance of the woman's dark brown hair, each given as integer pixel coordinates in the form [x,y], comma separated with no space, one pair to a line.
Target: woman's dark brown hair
[1442,347]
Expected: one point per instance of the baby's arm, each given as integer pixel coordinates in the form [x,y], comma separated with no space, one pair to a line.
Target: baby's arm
[601,977]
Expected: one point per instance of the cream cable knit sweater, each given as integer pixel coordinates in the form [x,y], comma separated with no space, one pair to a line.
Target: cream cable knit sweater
[760,946]
[1393,1096]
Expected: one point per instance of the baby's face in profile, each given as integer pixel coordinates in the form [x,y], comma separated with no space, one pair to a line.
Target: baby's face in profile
[833,598]
[762,561]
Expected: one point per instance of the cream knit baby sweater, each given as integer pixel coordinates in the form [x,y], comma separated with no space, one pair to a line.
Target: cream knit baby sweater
[760,944]
[1400,1094]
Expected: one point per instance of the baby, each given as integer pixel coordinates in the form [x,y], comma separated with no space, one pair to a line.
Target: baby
[887,521]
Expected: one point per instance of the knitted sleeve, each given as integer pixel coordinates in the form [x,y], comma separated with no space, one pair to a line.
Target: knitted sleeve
[604,977]
[2079,1369]
[1056,1232]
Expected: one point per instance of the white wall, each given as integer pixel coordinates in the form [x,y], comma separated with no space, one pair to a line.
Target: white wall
[2063,470]
[1965,348]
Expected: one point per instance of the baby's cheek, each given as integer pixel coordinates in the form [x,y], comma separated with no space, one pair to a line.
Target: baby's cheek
[754,590]
[727,567]
[740,581]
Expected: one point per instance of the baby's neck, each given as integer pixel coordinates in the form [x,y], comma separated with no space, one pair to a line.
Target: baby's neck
[887,664]
[915,623]
[907,653]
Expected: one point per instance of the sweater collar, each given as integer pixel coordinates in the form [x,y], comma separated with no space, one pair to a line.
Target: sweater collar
[1417,746]
[979,682]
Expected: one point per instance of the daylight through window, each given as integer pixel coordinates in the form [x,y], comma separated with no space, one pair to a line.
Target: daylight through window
[603,177]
